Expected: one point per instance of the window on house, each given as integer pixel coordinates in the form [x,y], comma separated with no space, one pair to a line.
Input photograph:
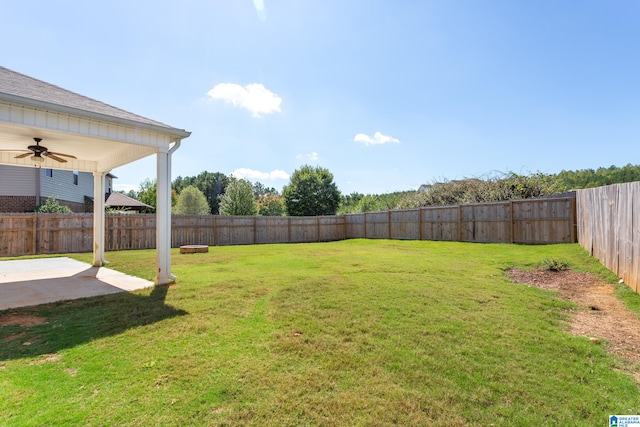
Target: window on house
[48,172]
[75,177]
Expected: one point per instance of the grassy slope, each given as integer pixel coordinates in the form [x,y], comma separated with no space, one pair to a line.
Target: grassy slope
[345,333]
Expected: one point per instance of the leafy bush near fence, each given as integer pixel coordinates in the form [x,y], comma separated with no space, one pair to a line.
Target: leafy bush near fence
[509,186]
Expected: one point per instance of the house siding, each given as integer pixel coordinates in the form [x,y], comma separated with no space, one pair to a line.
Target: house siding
[62,187]
[17,181]
[18,188]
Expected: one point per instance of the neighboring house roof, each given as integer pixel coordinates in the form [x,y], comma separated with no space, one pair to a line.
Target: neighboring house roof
[120,200]
[14,83]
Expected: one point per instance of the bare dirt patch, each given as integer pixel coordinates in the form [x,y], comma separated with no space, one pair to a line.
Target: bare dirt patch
[24,320]
[601,314]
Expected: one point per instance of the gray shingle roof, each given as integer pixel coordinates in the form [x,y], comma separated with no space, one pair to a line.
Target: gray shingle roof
[17,84]
[120,200]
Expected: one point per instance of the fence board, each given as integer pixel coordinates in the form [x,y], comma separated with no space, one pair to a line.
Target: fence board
[440,223]
[355,226]
[273,229]
[539,221]
[405,224]
[634,271]
[18,236]
[377,225]
[609,228]
[332,228]
[234,230]
[68,233]
[192,230]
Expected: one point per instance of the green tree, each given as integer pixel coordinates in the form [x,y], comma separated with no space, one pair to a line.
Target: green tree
[238,199]
[271,205]
[191,201]
[311,192]
[148,191]
[131,193]
[349,203]
[260,189]
[589,178]
[212,185]
[370,203]
[51,205]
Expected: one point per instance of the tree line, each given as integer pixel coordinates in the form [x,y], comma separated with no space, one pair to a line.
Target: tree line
[312,191]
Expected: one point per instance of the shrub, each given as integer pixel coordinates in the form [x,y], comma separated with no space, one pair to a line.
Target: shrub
[53,206]
[555,265]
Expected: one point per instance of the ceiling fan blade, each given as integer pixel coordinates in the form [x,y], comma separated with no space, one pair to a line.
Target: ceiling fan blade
[62,154]
[56,158]
[24,155]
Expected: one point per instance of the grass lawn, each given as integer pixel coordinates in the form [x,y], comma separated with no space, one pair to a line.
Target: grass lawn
[358,332]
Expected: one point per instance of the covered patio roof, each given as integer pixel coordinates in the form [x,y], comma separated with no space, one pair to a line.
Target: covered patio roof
[100,137]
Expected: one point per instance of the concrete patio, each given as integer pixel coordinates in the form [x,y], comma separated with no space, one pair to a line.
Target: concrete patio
[32,282]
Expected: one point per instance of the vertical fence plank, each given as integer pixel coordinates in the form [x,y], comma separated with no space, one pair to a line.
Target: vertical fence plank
[608,226]
[634,270]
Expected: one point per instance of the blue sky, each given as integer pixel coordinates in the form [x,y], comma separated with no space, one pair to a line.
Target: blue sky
[387,95]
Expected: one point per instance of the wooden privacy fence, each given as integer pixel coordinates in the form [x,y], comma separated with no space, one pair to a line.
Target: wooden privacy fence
[609,228]
[531,221]
[30,233]
[247,230]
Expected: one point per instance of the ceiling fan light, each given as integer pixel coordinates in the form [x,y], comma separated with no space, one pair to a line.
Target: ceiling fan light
[37,159]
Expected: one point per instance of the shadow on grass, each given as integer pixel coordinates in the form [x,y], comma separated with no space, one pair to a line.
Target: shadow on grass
[49,328]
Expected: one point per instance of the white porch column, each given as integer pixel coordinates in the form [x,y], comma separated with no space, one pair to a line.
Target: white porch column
[163,219]
[98,219]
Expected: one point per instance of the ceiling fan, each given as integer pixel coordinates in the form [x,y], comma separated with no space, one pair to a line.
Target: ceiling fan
[39,153]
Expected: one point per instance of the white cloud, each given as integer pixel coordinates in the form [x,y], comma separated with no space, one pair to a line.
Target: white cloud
[313,156]
[377,139]
[260,10]
[126,187]
[253,97]
[250,174]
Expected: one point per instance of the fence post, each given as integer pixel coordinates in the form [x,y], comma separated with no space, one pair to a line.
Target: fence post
[389,222]
[459,223]
[419,223]
[512,220]
[365,225]
[214,233]
[255,231]
[573,224]
[34,226]
[344,227]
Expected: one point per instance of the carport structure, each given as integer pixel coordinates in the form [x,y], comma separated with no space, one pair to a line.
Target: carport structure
[100,137]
